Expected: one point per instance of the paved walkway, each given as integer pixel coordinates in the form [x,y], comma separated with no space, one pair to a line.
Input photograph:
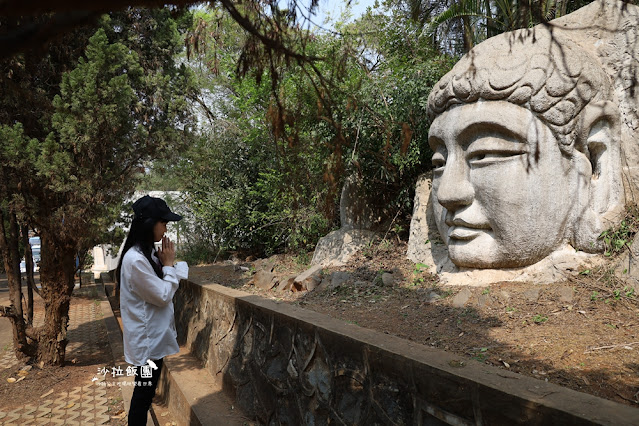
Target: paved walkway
[84,405]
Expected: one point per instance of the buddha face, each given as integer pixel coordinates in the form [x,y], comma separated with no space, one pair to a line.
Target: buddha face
[503,192]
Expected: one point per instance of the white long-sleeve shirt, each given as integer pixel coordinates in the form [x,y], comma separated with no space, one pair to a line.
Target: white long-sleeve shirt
[146,307]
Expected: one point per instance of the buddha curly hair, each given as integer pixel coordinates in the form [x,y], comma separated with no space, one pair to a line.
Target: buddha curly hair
[533,68]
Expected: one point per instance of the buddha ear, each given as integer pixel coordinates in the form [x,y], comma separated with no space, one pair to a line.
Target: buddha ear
[600,184]
[600,135]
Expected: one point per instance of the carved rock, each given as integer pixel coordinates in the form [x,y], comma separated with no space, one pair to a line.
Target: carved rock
[286,283]
[529,133]
[264,280]
[309,279]
[336,248]
[355,211]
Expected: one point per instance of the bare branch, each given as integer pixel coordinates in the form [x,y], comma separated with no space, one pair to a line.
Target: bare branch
[621,345]
[8,312]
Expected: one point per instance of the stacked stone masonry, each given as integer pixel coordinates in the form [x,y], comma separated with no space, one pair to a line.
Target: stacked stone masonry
[285,365]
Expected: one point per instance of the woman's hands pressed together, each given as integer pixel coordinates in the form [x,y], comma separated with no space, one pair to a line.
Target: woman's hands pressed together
[166,254]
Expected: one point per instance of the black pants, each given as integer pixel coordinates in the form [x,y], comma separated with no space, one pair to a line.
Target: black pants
[143,396]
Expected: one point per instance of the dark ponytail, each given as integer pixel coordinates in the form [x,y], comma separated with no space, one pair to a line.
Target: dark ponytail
[140,235]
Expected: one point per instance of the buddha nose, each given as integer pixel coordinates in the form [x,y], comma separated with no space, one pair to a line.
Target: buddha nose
[455,190]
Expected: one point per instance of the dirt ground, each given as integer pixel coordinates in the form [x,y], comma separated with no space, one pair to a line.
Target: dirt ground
[580,334]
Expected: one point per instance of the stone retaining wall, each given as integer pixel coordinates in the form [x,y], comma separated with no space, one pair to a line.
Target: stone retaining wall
[286,365]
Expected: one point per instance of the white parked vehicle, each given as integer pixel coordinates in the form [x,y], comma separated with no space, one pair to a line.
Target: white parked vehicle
[35,253]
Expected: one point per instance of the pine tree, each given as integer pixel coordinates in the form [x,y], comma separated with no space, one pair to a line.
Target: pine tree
[110,115]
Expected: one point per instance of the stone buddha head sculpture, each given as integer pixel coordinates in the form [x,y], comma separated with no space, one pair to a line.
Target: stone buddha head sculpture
[525,136]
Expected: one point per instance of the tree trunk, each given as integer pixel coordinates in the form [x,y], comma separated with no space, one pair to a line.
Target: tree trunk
[490,25]
[562,5]
[48,342]
[9,239]
[468,33]
[56,280]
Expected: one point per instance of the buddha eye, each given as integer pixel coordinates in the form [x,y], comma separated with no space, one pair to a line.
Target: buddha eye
[439,162]
[484,153]
[486,158]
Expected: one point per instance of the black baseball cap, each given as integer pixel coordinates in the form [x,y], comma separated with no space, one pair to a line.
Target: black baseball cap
[155,208]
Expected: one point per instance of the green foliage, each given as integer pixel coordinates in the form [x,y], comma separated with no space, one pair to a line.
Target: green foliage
[480,354]
[617,239]
[368,251]
[419,274]
[109,115]
[461,24]
[419,267]
[265,174]
[87,260]
[198,252]
[382,112]
[88,160]
[539,319]
[247,191]
[303,259]
[606,283]
[95,112]
[609,287]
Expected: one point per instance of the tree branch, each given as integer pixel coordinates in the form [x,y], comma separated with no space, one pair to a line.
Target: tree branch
[270,42]
[8,312]
[37,35]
